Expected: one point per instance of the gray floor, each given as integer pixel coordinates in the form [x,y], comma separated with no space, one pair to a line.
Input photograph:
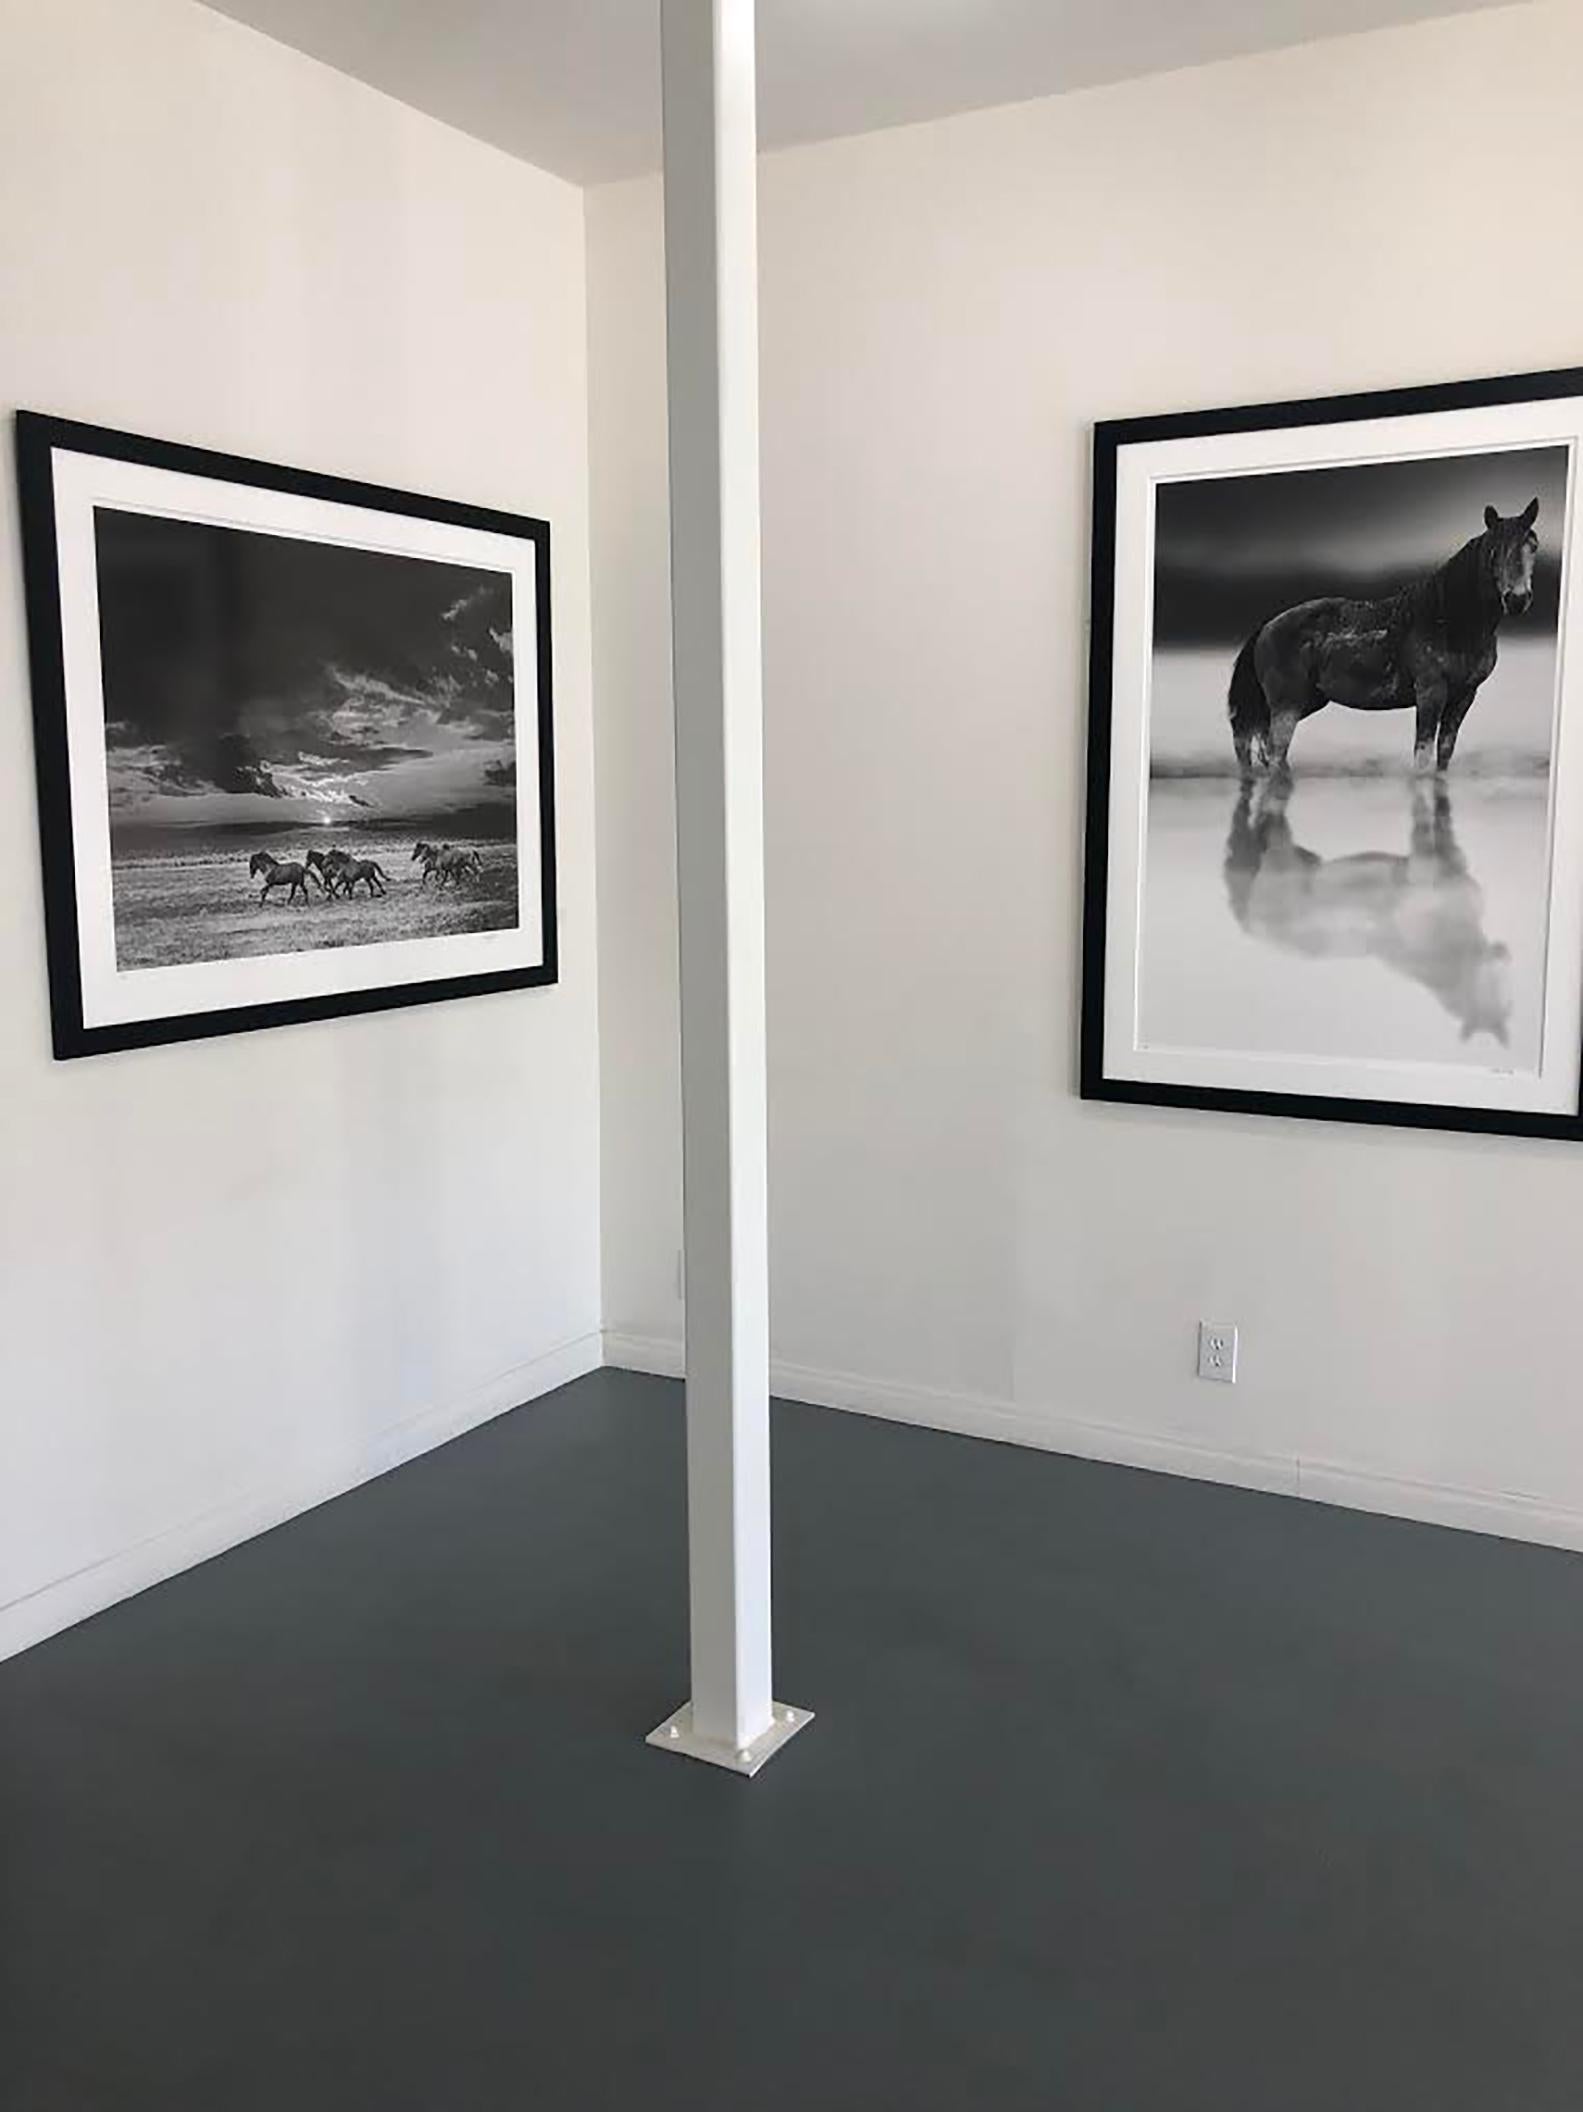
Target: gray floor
[1127,1795]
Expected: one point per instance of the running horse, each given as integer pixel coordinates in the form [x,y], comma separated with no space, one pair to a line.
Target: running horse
[1426,649]
[324,864]
[447,861]
[291,876]
[348,873]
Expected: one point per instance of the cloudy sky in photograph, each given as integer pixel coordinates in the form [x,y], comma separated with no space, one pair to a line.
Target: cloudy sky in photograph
[254,678]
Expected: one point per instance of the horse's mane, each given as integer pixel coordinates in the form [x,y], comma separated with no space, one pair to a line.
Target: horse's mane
[1461,592]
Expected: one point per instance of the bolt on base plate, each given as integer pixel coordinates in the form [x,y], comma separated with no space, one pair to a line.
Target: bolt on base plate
[676,1735]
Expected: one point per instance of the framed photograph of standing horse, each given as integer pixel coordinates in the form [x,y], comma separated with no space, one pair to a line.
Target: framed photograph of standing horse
[293,738]
[1335,775]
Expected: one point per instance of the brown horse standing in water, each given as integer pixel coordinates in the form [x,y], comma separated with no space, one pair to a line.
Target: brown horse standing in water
[1426,649]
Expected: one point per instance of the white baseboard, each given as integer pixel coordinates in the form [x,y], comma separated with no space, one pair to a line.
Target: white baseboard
[1505,1514]
[660,1356]
[56,1605]
[65,1600]
[1508,1516]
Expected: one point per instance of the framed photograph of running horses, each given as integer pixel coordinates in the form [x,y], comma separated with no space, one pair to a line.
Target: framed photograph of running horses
[293,738]
[1335,776]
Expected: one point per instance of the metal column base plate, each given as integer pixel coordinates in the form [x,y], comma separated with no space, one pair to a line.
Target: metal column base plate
[676,1735]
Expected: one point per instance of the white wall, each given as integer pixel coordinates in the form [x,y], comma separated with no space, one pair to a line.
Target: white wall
[954,1235]
[239,1275]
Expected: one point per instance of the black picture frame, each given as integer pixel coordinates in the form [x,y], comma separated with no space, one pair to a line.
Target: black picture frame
[1110,437]
[37,439]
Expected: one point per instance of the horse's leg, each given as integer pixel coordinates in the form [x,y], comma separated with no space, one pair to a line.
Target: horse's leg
[1431,702]
[1291,698]
[1283,724]
[1450,726]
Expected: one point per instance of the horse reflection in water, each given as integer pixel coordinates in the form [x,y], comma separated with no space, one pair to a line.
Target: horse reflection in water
[1421,914]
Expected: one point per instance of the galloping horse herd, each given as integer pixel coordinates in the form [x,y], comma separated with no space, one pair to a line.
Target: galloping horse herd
[338,873]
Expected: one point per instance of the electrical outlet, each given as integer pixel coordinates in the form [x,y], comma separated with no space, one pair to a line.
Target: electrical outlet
[1217,1352]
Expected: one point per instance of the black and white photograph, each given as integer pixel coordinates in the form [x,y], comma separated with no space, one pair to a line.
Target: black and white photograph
[304,737]
[1332,721]
[306,745]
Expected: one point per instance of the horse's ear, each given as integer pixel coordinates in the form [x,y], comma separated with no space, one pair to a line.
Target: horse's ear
[1491,518]
[1530,513]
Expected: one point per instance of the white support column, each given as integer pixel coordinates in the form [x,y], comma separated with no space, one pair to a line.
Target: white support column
[711,276]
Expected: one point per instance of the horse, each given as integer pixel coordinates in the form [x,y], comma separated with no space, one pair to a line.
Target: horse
[446,860]
[1426,649]
[326,864]
[291,876]
[1421,915]
[349,873]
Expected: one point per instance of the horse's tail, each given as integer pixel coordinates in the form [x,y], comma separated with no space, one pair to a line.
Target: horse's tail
[1248,707]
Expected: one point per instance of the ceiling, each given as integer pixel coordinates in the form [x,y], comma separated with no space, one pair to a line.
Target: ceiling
[574,84]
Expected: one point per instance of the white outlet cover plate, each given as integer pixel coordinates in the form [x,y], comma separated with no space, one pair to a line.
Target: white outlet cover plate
[1217,1352]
